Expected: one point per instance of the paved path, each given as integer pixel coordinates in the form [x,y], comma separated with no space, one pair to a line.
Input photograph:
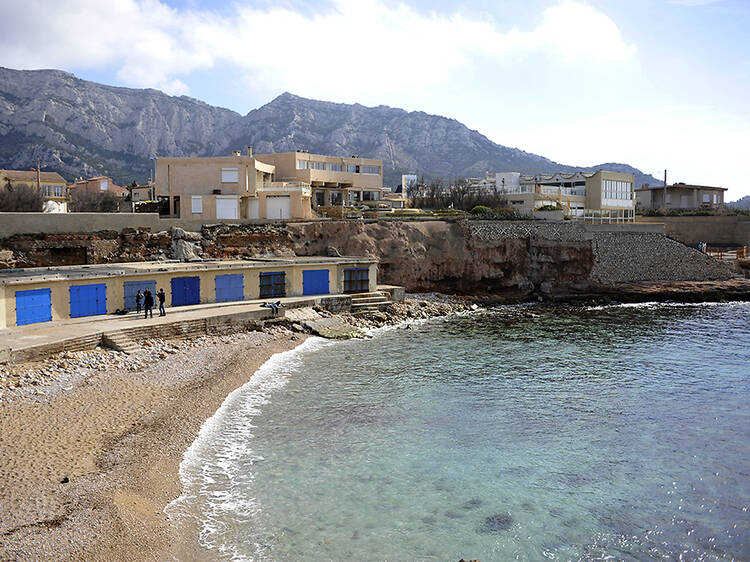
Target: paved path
[46,333]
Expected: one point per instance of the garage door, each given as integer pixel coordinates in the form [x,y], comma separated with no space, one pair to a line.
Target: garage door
[278,207]
[252,209]
[226,208]
[186,290]
[88,300]
[32,306]
[230,287]
[132,287]
[315,282]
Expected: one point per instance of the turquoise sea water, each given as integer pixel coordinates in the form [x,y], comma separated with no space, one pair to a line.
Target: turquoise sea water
[615,433]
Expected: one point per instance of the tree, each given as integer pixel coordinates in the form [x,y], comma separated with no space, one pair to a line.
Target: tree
[85,201]
[20,198]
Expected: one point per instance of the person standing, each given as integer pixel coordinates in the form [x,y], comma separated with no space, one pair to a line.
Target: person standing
[138,301]
[161,296]
[148,303]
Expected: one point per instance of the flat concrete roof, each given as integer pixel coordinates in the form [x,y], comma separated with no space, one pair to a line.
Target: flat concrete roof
[97,271]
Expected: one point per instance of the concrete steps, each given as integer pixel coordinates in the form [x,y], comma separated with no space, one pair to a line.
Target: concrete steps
[119,342]
[369,302]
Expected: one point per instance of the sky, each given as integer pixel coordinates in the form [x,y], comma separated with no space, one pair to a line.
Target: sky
[658,84]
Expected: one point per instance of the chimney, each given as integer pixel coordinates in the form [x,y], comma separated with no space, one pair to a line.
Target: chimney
[249,150]
[236,153]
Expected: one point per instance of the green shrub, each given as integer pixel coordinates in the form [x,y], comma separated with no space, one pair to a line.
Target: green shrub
[481,210]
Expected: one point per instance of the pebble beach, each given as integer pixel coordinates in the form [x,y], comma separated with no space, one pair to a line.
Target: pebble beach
[92,440]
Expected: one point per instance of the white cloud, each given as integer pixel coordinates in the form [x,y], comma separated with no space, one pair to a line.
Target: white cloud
[694,2]
[367,45]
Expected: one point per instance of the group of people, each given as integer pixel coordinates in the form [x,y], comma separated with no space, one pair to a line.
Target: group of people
[147,298]
[703,247]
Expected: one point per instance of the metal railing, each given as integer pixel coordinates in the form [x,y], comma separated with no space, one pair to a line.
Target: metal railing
[286,186]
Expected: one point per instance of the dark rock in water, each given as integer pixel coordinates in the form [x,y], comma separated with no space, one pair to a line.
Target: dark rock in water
[473,504]
[497,522]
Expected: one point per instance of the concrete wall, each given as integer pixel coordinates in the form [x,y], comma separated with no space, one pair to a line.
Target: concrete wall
[713,230]
[70,223]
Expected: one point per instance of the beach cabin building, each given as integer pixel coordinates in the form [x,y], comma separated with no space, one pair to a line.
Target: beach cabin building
[37,295]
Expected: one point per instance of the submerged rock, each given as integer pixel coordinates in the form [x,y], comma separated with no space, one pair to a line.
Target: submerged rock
[497,522]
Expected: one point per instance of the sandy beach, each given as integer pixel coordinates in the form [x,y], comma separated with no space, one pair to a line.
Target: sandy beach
[87,468]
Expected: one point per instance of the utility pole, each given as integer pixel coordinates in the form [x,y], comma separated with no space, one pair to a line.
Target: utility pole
[665,190]
[38,176]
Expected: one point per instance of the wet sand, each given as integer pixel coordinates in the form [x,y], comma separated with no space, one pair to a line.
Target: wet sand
[86,471]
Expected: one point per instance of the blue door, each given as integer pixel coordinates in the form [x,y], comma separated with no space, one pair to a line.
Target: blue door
[315,282]
[88,300]
[33,306]
[186,290]
[230,287]
[132,287]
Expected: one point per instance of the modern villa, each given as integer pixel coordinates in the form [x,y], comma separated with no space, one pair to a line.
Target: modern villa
[598,195]
[335,181]
[266,186]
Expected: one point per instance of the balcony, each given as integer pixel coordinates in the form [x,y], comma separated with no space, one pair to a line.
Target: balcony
[286,187]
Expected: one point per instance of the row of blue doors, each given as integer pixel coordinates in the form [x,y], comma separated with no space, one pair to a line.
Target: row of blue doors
[35,305]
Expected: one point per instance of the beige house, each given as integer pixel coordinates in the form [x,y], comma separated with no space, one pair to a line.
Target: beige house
[679,196]
[335,181]
[229,187]
[52,184]
[601,195]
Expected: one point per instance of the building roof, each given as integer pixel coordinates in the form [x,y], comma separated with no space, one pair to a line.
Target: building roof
[680,185]
[100,271]
[30,176]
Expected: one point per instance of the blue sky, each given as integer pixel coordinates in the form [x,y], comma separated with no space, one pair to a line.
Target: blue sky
[654,83]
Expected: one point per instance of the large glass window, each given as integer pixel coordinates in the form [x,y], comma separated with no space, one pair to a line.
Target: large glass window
[334,167]
[336,198]
[370,195]
[104,185]
[317,165]
[706,197]
[196,203]
[370,169]
[302,164]
[352,169]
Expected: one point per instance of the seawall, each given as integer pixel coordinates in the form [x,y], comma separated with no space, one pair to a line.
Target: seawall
[510,258]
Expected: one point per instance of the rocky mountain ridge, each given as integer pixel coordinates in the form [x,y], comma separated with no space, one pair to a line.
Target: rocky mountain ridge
[81,128]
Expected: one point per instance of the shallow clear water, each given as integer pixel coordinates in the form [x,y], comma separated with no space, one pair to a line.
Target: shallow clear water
[583,434]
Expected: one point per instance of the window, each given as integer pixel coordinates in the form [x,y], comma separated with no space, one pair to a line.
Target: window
[334,167]
[58,190]
[370,169]
[197,203]
[104,185]
[352,169]
[272,284]
[320,198]
[230,175]
[317,165]
[669,198]
[302,164]
[716,198]
[370,195]
[336,198]
[706,197]
[356,280]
